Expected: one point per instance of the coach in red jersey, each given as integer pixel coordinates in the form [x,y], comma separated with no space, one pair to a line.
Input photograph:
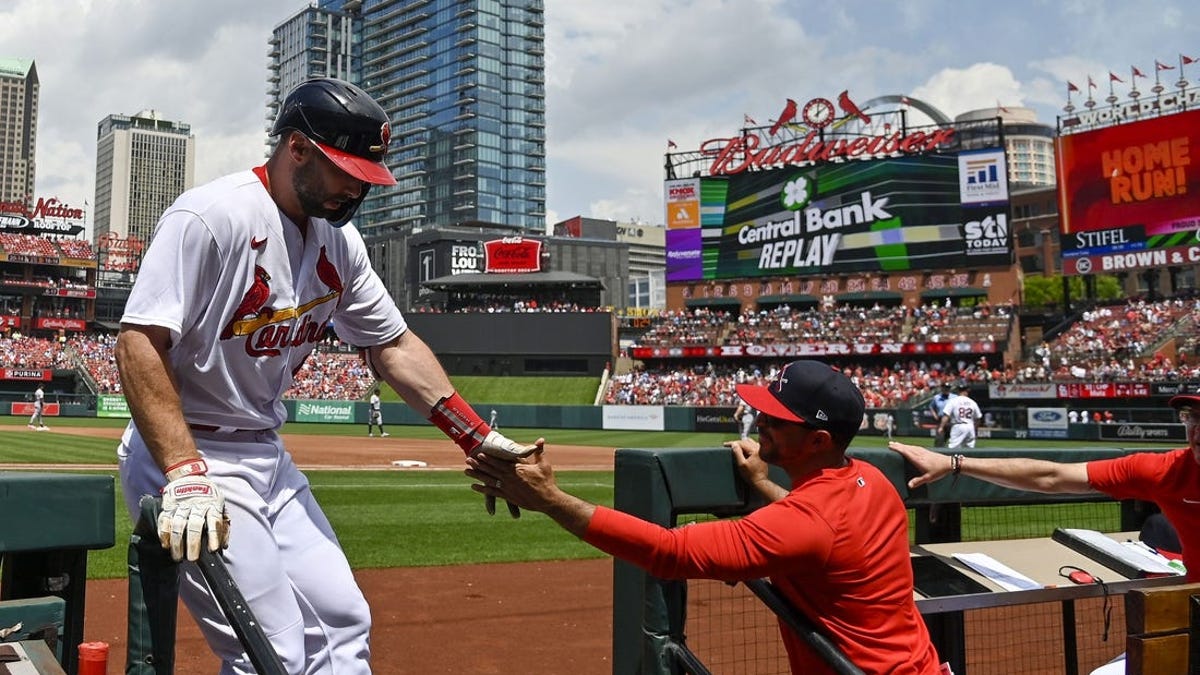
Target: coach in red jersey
[1169,479]
[836,544]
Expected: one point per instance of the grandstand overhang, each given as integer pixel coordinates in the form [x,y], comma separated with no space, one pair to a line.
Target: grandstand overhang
[871,296]
[800,299]
[963,292]
[713,302]
[463,282]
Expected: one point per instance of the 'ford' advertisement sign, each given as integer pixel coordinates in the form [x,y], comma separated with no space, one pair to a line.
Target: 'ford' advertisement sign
[1047,422]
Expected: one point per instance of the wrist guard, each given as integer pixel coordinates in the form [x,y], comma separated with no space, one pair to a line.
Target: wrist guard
[458,420]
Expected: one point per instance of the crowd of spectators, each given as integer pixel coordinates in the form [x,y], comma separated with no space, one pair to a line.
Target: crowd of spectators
[847,324]
[332,375]
[327,374]
[80,249]
[491,304]
[27,244]
[713,384]
[1116,343]
[27,352]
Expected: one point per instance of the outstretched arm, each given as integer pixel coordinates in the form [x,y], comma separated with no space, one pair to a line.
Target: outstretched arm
[1018,473]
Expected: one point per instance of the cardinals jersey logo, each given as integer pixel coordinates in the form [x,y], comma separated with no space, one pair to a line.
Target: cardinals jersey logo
[265,328]
[253,303]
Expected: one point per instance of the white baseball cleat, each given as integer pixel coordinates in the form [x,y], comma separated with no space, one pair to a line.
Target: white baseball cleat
[384,435]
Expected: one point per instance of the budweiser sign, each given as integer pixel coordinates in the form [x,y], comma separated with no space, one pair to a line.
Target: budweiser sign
[752,151]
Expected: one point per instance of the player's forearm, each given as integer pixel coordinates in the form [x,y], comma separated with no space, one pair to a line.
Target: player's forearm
[1034,475]
[770,490]
[153,399]
[413,370]
[569,511]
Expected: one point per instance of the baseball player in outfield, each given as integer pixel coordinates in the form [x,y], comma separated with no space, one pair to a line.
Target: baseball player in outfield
[235,289]
[960,416]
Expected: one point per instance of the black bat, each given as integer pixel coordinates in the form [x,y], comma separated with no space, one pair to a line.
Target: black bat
[249,631]
[821,644]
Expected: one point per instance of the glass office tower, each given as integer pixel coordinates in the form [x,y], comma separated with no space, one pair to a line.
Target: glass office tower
[463,82]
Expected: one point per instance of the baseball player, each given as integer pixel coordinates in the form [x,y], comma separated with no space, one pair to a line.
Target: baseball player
[936,405]
[745,416]
[39,404]
[961,417]
[376,416]
[237,286]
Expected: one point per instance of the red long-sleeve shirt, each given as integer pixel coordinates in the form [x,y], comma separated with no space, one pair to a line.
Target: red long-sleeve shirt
[836,546]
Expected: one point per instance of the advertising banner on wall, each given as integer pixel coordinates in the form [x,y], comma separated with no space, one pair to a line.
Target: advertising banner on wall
[512,255]
[1143,432]
[718,419]
[108,405]
[25,409]
[634,417]
[1129,195]
[895,214]
[1047,422]
[325,411]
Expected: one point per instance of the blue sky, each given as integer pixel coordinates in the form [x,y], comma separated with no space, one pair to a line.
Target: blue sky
[623,76]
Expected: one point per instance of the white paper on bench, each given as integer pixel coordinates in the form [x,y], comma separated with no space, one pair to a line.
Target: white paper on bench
[1008,578]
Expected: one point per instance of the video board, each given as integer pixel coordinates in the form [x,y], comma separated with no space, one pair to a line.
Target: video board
[1128,195]
[919,212]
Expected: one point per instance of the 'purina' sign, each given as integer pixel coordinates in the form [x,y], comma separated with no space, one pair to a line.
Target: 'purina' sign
[325,411]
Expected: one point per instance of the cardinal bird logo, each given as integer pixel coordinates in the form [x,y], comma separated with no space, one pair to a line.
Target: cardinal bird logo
[253,302]
[787,115]
[328,274]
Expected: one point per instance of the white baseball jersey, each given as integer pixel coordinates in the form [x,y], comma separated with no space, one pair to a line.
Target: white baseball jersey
[246,298]
[963,412]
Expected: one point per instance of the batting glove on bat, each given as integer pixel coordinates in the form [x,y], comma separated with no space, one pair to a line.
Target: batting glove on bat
[192,505]
[500,446]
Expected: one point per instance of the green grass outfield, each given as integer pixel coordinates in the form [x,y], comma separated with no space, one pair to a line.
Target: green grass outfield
[396,518]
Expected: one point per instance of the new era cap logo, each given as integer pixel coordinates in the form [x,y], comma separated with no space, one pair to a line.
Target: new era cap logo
[822,416]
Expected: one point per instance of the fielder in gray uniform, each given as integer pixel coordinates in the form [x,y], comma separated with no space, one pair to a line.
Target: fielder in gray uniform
[237,286]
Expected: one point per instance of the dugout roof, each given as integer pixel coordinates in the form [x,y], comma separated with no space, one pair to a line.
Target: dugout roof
[485,282]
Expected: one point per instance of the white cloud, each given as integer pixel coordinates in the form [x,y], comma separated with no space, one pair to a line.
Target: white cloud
[981,85]
[623,76]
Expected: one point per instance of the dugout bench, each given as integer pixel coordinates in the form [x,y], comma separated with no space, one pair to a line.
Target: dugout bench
[48,523]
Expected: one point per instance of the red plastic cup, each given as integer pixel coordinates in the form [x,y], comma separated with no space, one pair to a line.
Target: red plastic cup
[93,658]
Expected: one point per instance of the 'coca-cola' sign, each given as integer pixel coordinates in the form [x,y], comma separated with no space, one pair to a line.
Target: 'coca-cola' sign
[512,255]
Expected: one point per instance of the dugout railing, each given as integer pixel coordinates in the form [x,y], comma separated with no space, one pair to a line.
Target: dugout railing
[652,617]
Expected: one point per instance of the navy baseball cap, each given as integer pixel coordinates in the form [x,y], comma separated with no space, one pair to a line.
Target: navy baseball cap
[1188,400]
[812,393]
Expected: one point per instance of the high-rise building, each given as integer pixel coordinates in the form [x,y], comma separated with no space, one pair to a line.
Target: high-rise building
[18,128]
[143,163]
[1028,144]
[316,42]
[463,82]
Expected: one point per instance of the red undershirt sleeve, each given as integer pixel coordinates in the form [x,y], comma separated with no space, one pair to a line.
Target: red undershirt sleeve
[777,537]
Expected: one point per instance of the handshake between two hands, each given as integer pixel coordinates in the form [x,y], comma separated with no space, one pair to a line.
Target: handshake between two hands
[193,508]
[497,445]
